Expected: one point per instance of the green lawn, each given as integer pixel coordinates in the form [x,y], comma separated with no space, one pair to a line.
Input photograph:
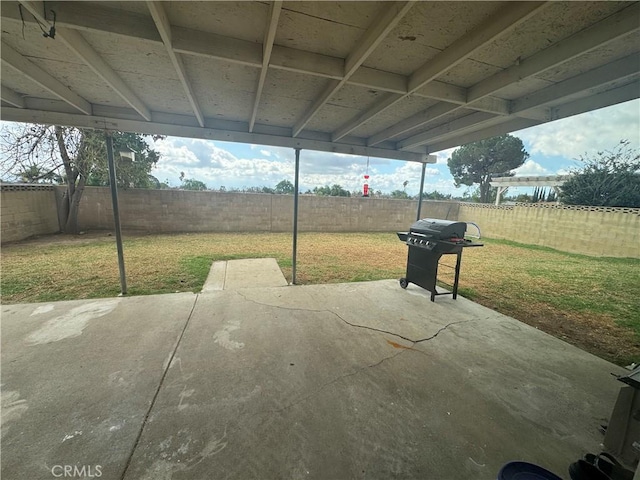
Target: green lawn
[591,302]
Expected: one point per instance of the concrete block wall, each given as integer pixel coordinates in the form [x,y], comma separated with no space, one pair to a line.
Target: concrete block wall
[31,210]
[165,211]
[357,214]
[599,231]
[189,211]
[27,210]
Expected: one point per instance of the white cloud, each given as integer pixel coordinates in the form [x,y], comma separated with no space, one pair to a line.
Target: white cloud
[178,156]
[587,133]
[530,168]
[216,166]
[198,159]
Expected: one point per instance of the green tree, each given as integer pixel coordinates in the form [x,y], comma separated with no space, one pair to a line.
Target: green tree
[129,174]
[435,195]
[35,174]
[610,178]
[157,184]
[476,162]
[523,198]
[192,184]
[72,156]
[338,191]
[399,194]
[284,187]
[473,195]
[334,190]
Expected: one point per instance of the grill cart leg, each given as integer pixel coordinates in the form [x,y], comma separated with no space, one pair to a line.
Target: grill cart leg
[457,277]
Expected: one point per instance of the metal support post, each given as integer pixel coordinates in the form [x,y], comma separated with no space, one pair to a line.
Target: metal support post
[424,168]
[296,187]
[116,211]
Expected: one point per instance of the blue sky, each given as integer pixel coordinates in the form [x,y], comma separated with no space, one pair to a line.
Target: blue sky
[553,148]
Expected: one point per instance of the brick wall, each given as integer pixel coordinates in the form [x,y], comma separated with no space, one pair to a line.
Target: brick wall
[601,231]
[27,210]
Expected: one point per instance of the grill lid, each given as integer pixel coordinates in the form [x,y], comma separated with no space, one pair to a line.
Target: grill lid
[439,229]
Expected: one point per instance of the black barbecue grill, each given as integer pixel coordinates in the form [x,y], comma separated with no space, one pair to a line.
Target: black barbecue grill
[428,240]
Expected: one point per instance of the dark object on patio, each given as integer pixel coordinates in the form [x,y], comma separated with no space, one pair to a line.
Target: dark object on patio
[599,467]
[429,239]
[583,470]
[623,430]
[525,471]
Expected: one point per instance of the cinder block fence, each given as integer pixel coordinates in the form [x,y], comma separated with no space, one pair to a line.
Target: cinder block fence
[29,210]
[188,211]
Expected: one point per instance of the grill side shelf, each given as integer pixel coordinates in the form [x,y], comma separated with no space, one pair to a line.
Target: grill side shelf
[465,243]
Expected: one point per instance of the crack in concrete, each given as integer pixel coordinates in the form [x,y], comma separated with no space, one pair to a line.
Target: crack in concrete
[443,329]
[361,369]
[370,328]
[325,310]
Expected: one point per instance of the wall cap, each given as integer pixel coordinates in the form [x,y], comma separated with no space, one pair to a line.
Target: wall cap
[24,187]
[554,206]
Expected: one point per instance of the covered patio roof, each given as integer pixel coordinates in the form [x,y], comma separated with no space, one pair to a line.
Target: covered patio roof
[395,80]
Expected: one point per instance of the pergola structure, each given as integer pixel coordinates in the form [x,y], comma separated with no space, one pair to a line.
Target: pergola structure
[398,80]
[503,183]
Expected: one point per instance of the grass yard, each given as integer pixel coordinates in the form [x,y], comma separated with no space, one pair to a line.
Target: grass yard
[590,302]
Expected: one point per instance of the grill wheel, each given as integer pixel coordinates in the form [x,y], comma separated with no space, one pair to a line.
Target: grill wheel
[404,283]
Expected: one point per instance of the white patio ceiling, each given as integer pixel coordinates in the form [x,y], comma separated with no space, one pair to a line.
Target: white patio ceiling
[387,79]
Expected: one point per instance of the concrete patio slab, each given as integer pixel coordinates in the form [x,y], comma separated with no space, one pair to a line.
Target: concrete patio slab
[362,380]
[245,273]
[78,379]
